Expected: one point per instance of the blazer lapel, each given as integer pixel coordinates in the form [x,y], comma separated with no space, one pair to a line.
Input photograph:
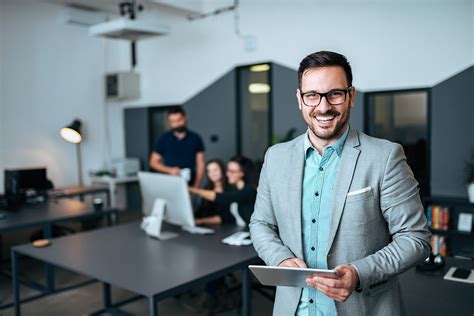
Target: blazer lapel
[346,172]
[296,189]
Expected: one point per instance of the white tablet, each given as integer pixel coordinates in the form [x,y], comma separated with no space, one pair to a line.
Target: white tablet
[283,276]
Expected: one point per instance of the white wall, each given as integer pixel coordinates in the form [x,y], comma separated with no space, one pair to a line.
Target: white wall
[1,95]
[390,46]
[52,73]
[55,70]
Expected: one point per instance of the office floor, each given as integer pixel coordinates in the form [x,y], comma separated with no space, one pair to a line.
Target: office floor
[86,299]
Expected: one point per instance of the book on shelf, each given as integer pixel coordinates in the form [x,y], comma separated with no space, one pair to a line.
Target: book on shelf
[438,245]
[438,217]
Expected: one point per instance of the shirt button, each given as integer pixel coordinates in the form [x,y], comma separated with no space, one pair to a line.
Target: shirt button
[321,168]
[312,248]
[311,301]
[314,221]
[317,193]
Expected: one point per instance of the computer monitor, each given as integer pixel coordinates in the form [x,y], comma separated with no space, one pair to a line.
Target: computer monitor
[172,189]
[23,185]
[18,181]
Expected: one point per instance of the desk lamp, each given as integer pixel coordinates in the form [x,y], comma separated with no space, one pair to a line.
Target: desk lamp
[72,134]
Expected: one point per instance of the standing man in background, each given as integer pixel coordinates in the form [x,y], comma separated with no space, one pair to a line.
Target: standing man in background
[339,199]
[179,149]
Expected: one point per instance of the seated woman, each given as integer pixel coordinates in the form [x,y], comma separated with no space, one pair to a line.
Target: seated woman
[208,212]
[240,176]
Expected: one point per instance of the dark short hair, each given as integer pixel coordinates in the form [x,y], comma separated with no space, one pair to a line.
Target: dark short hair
[325,59]
[176,110]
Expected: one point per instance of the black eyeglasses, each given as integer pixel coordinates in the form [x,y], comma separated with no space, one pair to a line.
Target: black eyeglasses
[334,97]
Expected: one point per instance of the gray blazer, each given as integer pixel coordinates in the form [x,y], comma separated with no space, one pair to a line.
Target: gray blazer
[377,222]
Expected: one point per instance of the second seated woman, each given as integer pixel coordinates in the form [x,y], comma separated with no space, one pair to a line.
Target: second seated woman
[240,176]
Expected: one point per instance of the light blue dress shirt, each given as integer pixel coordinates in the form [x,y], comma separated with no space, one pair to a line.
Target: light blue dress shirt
[320,173]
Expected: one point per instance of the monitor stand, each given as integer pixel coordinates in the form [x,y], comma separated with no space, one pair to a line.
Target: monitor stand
[152,224]
[164,235]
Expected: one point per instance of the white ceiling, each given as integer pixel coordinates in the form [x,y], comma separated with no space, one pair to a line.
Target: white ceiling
[186,7]
[183,7]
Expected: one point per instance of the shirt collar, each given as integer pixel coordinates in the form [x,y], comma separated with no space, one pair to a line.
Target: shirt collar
[337,146]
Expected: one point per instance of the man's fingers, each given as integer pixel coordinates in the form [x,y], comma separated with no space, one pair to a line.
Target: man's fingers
[289,263]
[293,263]
[335,283]
[342,270]
[337,289]
[336,295]
[300,263]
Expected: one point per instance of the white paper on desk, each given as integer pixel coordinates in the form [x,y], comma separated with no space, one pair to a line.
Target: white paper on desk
[449,276]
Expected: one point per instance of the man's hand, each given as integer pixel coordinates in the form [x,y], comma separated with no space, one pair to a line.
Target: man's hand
[338,289]
[293,263]
[175,171]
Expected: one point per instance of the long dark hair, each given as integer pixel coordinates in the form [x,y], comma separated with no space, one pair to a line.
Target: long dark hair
[210,185]
[247,167]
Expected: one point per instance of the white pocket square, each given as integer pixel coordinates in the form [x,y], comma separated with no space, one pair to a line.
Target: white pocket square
[359,191]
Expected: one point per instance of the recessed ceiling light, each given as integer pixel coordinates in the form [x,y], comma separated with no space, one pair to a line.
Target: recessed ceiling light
[260,68]
[258,88]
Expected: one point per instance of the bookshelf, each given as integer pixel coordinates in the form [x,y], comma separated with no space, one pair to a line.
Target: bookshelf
[447,239]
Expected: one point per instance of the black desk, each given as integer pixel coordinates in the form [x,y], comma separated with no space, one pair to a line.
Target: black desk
[49,213]
[80,191]
[45,215]
[124,256]
[429,294]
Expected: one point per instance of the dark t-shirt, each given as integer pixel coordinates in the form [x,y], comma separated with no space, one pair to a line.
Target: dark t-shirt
[180,152]
[245,198]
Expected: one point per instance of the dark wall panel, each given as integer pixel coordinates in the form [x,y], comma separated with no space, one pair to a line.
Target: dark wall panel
[212,113]
[137,135]
[452,133]
[286,114]
[357,112]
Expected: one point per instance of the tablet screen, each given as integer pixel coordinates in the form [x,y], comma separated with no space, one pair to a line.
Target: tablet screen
[284,276]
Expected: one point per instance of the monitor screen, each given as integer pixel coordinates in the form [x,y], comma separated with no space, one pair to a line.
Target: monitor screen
[172,189]
[18,181]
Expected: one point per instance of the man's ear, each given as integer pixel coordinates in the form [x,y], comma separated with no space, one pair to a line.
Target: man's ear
[353,95]
[298,98]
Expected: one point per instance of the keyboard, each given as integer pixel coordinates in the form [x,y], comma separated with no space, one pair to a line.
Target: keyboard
[241,238]
[198,230]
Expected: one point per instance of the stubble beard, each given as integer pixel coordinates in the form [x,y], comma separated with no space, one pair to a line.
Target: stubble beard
[337,130]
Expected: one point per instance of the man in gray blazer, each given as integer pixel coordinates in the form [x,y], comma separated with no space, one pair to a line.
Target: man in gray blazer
[339,199]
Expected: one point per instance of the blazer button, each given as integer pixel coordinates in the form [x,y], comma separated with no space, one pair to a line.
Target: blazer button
[311,301]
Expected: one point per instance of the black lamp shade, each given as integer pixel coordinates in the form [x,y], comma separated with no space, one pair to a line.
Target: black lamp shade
[72,132]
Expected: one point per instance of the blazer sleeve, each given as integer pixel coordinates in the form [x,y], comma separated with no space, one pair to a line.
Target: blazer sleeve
[403,211]
[263,225]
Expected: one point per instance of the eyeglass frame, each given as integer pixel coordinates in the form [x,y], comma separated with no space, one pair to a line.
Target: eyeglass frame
[324,95]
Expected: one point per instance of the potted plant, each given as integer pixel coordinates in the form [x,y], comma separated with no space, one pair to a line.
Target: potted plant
[470,177]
